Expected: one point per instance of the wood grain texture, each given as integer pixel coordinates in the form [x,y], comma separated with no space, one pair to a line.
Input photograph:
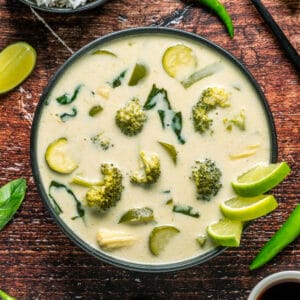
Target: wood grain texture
[37,261]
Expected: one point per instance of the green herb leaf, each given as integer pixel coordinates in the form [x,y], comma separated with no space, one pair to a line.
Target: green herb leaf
[177,126]
[11,197]
[156,96]
[118,80]
[186,210]
[66,116]
[57,208]
[67,98]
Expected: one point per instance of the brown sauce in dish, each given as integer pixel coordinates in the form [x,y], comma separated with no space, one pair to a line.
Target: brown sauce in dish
[282,291]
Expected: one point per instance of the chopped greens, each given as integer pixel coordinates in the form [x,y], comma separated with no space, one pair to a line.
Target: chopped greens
[95,110]
[186,210]
[118,80]
[67,98]
[66,116]
[138,73]
[170,149]
[157,96]
[57,208]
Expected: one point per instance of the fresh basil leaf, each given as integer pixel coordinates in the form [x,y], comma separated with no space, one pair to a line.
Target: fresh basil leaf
[156,96]
[186,210]
[57,208]
[177,126]
[66,116]
[11,197]
[67,98]
[118,80]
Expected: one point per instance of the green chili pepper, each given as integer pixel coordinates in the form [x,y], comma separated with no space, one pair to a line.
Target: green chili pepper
[289,231]
[221,12]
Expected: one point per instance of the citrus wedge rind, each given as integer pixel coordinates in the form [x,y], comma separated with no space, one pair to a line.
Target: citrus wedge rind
[260,179]
[246,209]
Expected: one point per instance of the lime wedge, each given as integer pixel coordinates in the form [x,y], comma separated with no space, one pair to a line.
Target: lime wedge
[160,237]
[58,159]
[179,61]
[226,232]
[138,73]
[260,179]
[136,215]
[16,63]
[246,209]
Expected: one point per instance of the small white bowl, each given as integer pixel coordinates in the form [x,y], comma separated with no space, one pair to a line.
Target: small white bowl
[271,280]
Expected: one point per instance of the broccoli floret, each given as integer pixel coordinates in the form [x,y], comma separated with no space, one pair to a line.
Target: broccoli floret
[101,141]
[207,179]
[239,121]
[150,171]
[108,193]
[210,99]
[131,118]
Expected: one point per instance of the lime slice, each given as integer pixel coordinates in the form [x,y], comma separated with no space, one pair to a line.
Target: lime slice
[135,215]
[57,158]
[138,73]
[103,52]
[178,61]
[16,63]
[226,232]
[260,179]
[246,209]
[160,237]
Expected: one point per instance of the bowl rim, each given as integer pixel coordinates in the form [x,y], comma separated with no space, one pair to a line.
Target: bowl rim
[64,10]
[134,266]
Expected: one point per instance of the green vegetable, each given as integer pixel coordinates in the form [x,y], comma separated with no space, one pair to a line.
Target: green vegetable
[201,239]
[95,110]
[11,197]
[118,80]
[239,121]
[150,171]
[57,208]
[186,210]
[201,74]
[210,99]
[170,149]
[221,12]
[138,73]
[102,141]
[177,126]
[131,118]
[5,296]
[288,232]
[67,98]
[66,116]
[136,215]
[103,52]
[107,194]
[157,97]
[206,176]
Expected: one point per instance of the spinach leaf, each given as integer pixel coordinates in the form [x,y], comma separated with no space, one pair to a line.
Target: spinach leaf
[177,126]
[66,116]
[67,98]
[186,210]
[57,208]
[157,95]
[118,80]
[11,197]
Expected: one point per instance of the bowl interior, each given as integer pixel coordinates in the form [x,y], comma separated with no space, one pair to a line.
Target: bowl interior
[34,140]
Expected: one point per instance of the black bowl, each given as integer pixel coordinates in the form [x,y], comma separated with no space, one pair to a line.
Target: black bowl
[43,193]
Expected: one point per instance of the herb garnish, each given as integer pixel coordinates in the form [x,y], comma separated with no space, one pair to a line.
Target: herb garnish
[67,98]
[118,80]
[186,210]
[66,116]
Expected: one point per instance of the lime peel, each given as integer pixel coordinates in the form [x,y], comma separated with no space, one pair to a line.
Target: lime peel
[246,209]
[260,179]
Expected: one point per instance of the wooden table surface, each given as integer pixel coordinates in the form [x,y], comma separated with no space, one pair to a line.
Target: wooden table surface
[37,261]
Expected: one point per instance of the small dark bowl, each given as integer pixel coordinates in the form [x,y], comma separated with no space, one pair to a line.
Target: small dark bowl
[34,162]
[64,10]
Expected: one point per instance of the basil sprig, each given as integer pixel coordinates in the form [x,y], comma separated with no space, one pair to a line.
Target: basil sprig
[11,197]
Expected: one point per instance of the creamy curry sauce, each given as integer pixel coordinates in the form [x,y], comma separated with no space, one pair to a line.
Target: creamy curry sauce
[94,72]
